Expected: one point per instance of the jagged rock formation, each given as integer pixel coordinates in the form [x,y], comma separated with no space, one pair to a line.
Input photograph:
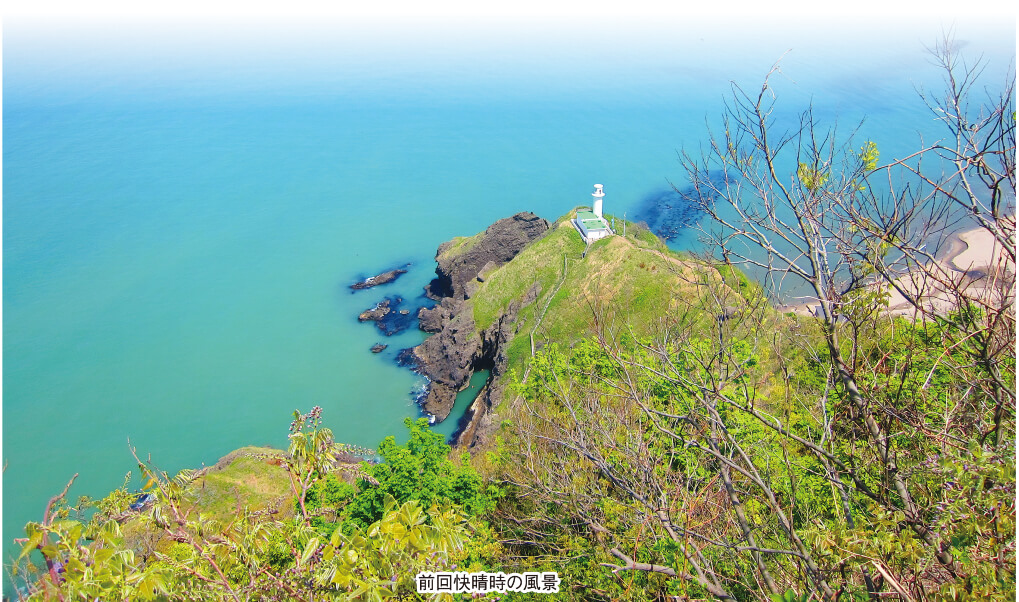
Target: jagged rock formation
[457,349]
[383,278]
[460,261]
[387,317]
[376,313]
[495,340]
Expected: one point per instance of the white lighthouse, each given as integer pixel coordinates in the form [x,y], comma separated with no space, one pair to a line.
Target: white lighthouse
[591,224]
[598,195]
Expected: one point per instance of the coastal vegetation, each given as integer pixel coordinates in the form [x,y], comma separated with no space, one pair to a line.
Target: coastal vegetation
[654,427]
[613,275]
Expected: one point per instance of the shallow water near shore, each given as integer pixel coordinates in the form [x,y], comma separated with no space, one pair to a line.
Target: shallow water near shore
[178,246]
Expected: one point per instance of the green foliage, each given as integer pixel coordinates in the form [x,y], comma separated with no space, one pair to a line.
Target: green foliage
[751,292]
[597,450]
[116,501]
[99,570]
[420,470]
[812,177]
[978,509]
[380,561]
[325,500]
[264,555]
[310,443]
[114,504]
[932,397]
[367,564]
[869,155]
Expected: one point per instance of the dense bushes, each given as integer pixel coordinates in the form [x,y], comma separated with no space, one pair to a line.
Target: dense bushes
[422,470]
[736,464]
[416,510]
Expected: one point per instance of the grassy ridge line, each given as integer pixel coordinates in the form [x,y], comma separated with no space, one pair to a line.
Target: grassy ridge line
[538,263]
[544,310]
[460,245]
[636,280]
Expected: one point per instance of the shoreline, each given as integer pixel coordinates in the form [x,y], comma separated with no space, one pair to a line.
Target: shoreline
[973,257]
[967,254]
[975,249]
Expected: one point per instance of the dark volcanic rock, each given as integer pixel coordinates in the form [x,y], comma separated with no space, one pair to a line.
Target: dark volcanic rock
[395,322]
[406,359]
[383,278]
[447,359]
[450,357]
[431,319]
[375,313]
[387,317]
[457,349]
[498,244]
[478,421]
[378,348]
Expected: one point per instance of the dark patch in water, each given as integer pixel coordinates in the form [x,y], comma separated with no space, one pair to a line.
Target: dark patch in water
[406,359]
[424,301]
[397,320]
[668,211]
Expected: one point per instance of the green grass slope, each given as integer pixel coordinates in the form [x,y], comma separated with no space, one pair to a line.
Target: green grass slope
[252,477]
[633,280]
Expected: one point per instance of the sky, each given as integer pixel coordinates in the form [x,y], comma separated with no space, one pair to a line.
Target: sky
[171,38]
[509,14]
[532,8]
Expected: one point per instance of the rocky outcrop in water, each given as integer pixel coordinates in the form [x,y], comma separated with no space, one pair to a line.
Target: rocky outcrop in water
[432,319]
[387,317]
[375,313]
[383,278]
[450,356]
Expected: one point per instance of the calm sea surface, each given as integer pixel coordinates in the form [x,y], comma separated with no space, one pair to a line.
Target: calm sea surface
[180,227]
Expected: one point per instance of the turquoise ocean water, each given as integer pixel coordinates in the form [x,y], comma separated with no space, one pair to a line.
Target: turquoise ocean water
[182,215]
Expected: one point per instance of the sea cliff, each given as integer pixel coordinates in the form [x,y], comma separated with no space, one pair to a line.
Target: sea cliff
[458,348]
[523,283]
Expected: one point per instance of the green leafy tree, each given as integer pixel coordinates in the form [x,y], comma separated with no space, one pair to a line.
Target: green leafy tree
[380,562]
[420,470]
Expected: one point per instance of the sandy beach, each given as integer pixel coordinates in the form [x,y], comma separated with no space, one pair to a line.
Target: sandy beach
[973,263]
[971,258]
[978,251]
